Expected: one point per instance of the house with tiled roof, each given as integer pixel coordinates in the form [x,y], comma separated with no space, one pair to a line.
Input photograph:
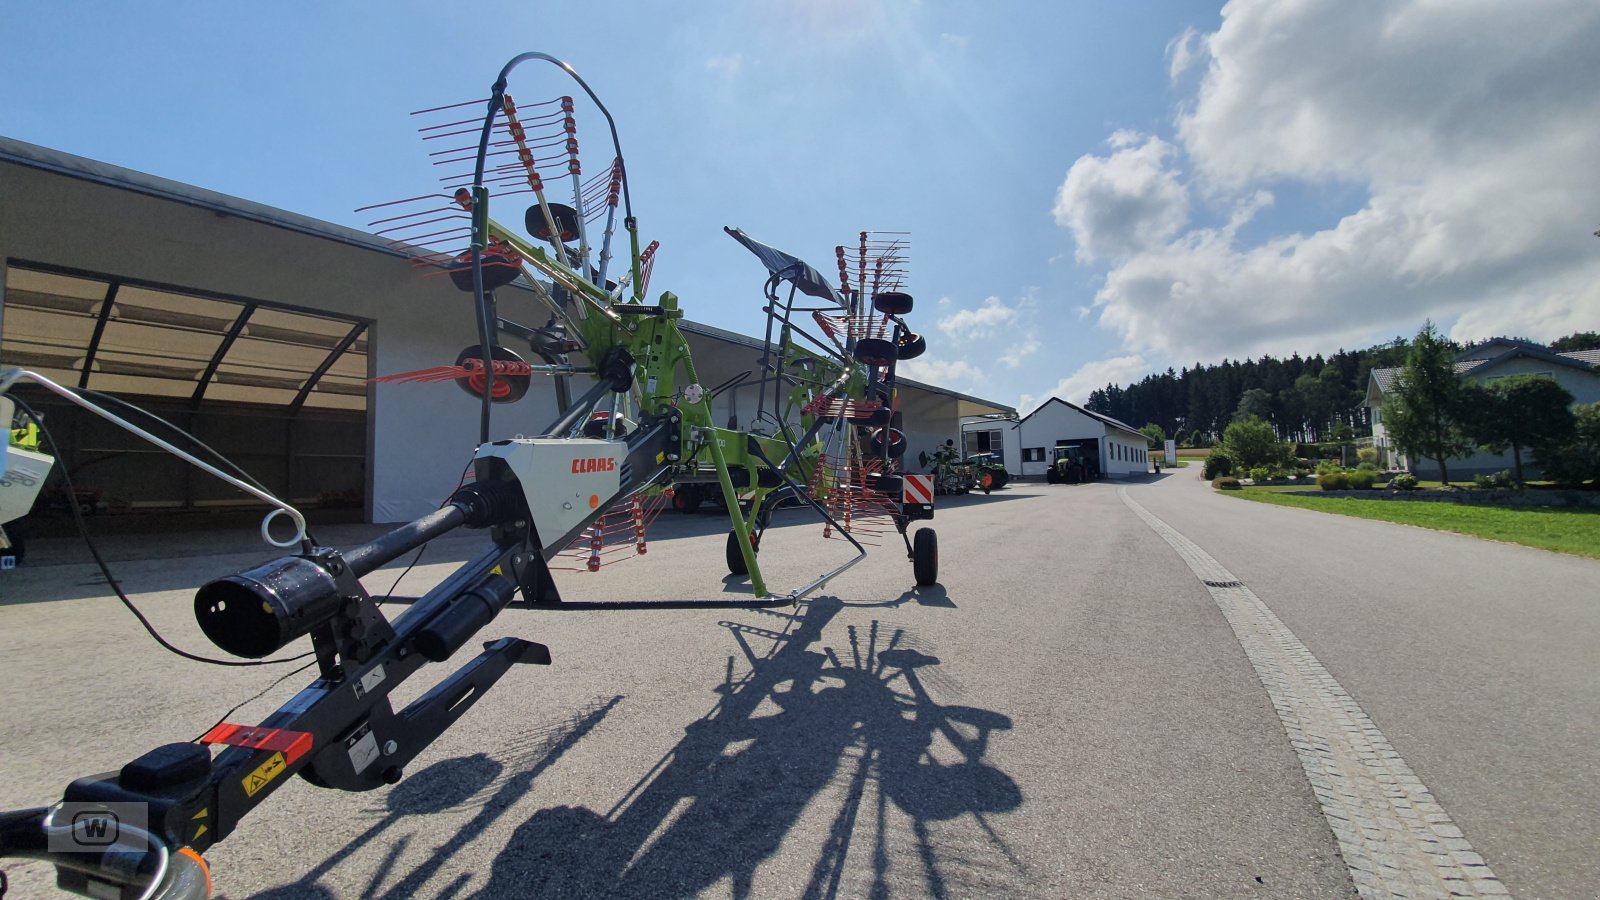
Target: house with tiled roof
[1578,371]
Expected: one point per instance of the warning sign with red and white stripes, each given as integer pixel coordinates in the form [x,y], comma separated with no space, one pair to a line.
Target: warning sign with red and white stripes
[916,489]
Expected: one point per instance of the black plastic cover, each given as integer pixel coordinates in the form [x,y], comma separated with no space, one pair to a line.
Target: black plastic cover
[167,766]
[792,268]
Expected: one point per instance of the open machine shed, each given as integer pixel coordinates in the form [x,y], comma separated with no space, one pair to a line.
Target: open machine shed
[258,330]
[1027,445]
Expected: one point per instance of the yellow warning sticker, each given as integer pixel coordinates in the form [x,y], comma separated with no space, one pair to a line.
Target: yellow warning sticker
[496,571]
[660,457]
[264,774]
[200,815]
[201,830]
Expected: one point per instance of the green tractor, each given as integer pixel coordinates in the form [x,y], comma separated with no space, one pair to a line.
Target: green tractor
[990,471]
[1074,464]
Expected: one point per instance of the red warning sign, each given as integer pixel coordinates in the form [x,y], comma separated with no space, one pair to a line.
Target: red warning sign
[916,489]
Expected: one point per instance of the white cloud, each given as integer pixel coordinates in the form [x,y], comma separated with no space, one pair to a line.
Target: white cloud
[1465,134]
[1075,388]
[957,375]
[726,66]
[1012,357]
[1124,203]
[978,323]
[1183,52]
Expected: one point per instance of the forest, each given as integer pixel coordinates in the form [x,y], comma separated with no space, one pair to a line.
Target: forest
[1307,399]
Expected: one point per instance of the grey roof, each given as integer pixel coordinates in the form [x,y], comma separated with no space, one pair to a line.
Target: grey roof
[1494,347]
[1583,359]
[1088,412]
[37,157]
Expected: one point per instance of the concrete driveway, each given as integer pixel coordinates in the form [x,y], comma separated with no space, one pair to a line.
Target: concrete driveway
[1070,712]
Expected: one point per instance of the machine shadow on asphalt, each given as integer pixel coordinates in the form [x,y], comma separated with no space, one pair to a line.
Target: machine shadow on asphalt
[932,595]
[854,724]
[450,784]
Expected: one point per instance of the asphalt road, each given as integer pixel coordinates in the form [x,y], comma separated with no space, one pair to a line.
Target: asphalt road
[1067,713]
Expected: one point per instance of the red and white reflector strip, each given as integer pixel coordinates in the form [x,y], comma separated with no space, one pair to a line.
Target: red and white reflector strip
[916,489]
[292,744]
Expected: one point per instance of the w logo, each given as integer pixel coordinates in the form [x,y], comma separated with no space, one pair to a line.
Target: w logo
[83,827]
[95,828]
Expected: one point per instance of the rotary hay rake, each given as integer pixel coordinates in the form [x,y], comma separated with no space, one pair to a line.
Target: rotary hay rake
[827,432]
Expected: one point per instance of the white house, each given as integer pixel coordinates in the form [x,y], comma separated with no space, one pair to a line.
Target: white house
[1577,371]
[1026,444]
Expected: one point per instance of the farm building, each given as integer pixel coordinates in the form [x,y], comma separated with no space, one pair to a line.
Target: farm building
[1027,445]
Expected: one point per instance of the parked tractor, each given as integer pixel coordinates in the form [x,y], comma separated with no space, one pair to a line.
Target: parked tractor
[1073,465]
[990,471]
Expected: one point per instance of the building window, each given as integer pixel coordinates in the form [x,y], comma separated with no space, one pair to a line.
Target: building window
[986,441]
[1033,454]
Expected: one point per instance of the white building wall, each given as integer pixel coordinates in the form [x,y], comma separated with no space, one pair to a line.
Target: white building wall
[1122,452]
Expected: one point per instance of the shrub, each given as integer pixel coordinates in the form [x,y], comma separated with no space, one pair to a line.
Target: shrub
[1577,460]
[1337,480]
[1304,464]
[1327,468]
[1218,463]
[1366,466]
[1253,442]
[1276,472]
[1368,455]
[1405,481]
[1362,479]
[1226,483]
[1501,480]
[1259,473]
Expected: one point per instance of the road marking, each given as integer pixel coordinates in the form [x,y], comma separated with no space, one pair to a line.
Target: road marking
[1394,837]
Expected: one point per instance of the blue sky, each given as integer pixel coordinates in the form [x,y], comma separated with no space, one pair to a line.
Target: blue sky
[1094,191]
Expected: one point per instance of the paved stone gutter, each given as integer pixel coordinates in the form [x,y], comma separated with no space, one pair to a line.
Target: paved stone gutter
[1394,836]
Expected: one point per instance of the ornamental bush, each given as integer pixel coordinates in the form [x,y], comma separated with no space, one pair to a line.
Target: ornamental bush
[1218,463]
[1226,483]
[1362,479]
[1367,455]
[1501,480]
[1337,480]
[1405,481]
[1260,473]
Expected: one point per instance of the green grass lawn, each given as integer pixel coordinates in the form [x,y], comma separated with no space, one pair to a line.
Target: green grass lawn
[1574,531]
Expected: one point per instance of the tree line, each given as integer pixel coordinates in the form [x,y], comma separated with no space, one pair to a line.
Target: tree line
[1305,399]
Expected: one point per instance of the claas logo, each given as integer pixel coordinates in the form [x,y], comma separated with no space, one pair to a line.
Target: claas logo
[597,464]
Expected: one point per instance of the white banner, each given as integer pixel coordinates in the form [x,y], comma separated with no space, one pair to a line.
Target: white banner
[1172,452]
